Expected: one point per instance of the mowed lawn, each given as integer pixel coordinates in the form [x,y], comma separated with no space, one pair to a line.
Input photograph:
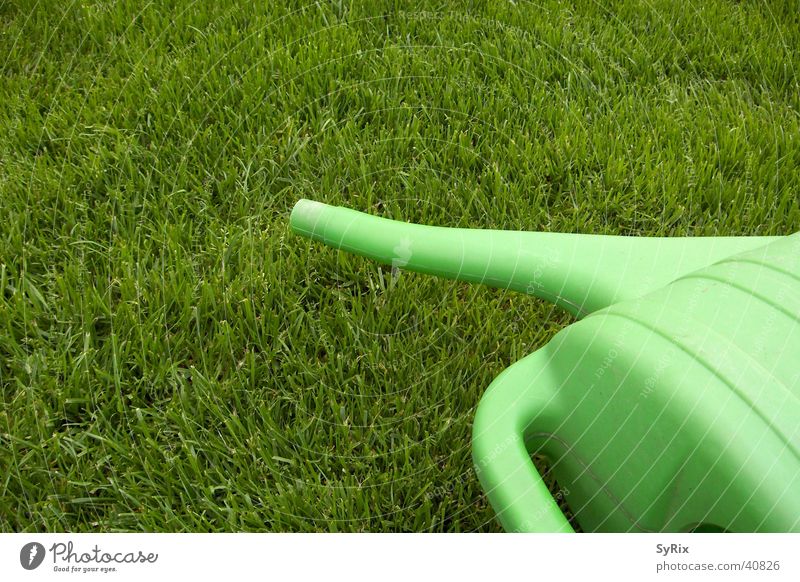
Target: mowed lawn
[173,358]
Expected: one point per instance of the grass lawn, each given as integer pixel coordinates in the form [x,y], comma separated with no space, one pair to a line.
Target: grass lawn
[172,358]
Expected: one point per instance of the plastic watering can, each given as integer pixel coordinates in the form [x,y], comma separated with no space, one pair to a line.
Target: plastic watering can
[672,404]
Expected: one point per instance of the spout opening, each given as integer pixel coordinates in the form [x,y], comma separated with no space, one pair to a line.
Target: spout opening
[305,215]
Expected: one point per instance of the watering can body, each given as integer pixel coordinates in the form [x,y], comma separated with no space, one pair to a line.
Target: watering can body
[674,411]
[672,404]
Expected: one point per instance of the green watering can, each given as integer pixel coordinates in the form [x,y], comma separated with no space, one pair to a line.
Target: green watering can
[672,404]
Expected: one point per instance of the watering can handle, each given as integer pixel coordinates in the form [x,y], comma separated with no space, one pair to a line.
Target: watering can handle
[515,402]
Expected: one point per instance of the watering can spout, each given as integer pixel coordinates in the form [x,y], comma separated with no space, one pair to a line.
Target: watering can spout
[579,272]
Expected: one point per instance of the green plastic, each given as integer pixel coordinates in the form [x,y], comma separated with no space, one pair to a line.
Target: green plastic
[672,404]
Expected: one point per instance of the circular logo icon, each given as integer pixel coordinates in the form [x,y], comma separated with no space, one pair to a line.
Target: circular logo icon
[31,555]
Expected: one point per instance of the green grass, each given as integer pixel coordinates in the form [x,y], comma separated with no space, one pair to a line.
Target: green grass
[173,358]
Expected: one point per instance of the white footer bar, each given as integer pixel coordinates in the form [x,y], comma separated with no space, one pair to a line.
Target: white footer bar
[384,557]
